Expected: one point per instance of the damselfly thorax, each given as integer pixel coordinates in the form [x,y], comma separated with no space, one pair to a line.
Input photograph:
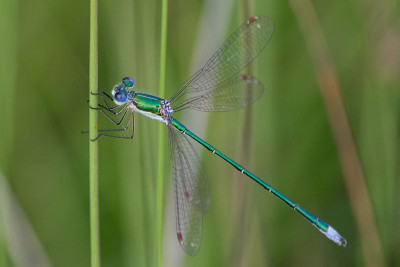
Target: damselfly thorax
[151,106]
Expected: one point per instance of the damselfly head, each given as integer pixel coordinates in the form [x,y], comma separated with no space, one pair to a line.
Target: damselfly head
[119,94]
[128,82]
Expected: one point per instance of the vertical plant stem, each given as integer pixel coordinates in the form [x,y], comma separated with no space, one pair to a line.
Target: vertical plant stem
[240,197]
[8,76]
[161,138]
[93,146]
[348,155]
[3,242]
[23,245]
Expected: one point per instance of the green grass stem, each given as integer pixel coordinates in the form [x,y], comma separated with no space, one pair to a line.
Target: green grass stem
[244,153]
[3,245]
[161,139]
[93,146]
[348,153]
[8,80]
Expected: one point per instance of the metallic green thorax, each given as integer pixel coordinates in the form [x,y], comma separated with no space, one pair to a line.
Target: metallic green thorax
[148,103]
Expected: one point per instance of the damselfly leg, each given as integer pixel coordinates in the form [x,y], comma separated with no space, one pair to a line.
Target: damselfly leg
[107,99]
[127,132]
[111,115]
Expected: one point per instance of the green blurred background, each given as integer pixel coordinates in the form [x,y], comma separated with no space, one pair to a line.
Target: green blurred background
[44,218]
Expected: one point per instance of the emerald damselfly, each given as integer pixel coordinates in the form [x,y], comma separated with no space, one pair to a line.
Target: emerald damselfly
[218,86]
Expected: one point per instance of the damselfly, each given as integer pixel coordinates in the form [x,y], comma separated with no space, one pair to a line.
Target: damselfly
[218,86]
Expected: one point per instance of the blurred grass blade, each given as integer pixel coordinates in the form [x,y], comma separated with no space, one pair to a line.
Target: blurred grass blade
[348,155]
[240,198]
[161,139]
[23,245]
[93,146]
[8,79]
[210,34]
[8,75]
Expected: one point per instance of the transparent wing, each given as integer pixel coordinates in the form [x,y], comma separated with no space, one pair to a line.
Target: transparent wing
[188,170]
[236,53]
[232,94]
[192,197]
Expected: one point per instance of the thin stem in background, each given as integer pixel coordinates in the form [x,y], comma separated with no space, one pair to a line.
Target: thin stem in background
[240,200]
[8,80]
[161,139]
[348,156]
[3,242]
[93,146]
[24,246]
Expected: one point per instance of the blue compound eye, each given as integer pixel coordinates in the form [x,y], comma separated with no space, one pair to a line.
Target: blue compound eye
[119,98]
[128,82]
[116,89]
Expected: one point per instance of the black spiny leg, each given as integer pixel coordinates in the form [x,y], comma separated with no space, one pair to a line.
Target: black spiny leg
[109,132]
[111,112]
[107,99]
[113,116]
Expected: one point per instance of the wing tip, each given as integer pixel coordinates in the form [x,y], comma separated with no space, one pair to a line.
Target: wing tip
[252,19]
[180,237]
[192,251]
[262,19]
[245,77]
